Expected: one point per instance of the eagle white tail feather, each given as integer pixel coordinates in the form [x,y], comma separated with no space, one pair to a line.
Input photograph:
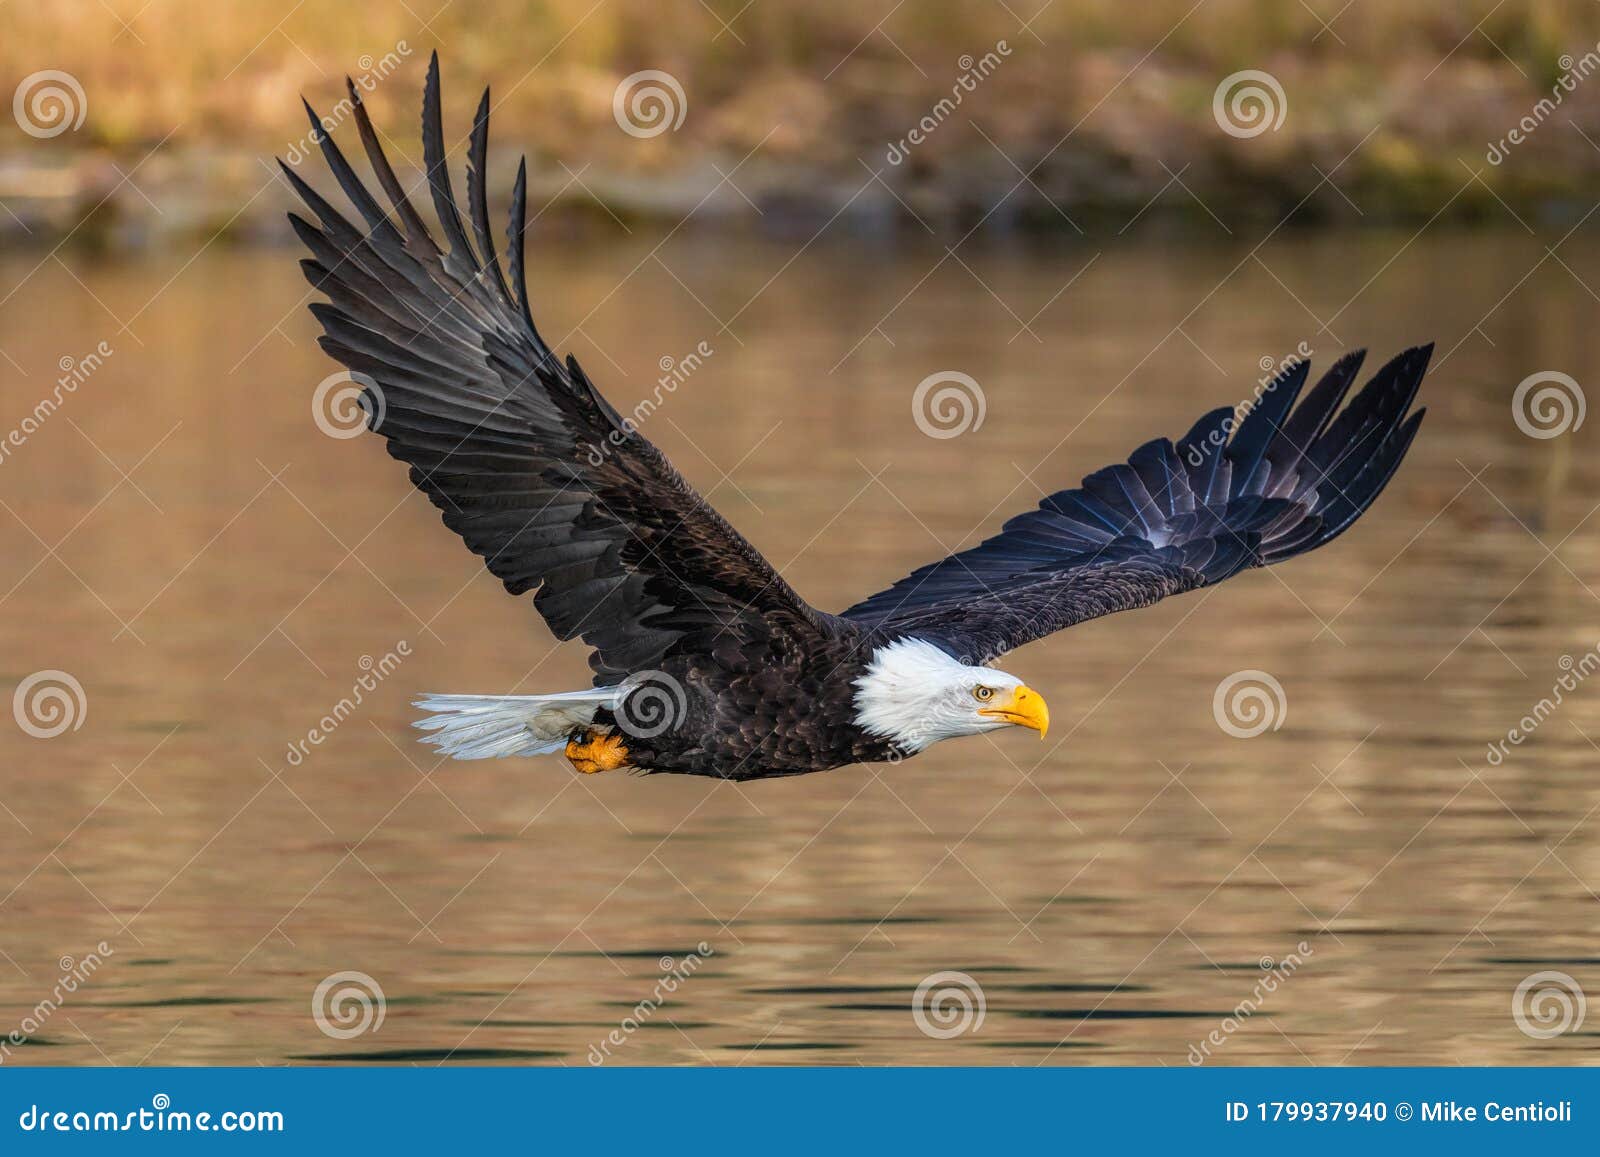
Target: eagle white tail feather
[495,726]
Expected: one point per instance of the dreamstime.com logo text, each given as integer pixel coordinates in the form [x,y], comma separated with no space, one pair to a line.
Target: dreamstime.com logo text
[1574,672]
[75,371]
[1274,974]
[674,372]
[372,72]
[1271,377]
[1573,72]
[74,974]
[374,672]
[160,1117]
[673,975]
[973,73]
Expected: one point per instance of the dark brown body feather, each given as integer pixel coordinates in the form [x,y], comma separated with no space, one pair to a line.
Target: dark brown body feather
[784,709]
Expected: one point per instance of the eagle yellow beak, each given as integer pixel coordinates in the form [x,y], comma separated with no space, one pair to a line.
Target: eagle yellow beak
[1025,708]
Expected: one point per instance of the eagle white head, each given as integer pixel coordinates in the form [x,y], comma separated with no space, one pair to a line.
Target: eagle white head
[914,694]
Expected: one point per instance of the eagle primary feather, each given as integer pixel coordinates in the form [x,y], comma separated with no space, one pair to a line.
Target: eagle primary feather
[539,475]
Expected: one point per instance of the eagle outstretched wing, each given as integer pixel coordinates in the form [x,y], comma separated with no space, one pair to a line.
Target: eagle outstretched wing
[529,464]
[1173,518]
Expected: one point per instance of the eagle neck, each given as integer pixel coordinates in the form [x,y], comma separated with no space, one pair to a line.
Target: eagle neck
[892,695]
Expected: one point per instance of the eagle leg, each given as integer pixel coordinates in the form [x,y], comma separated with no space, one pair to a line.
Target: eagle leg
[591,751]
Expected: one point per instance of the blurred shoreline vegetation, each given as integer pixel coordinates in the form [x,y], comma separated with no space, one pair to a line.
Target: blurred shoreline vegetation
[1105,105]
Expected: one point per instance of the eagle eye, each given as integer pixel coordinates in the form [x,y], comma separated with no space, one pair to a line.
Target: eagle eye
[982,694]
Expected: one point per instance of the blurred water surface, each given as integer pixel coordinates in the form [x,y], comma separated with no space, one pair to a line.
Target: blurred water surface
[217,574]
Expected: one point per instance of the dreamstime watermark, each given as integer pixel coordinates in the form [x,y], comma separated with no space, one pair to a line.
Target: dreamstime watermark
[49,103]
[649,103]
[973,73]
[1249,103]
[907,733]
[1548,404]
[912,741]
[1248,703]
[49,703]
[1575,672]
[374,672]
[346,403]
[75,371]
[1274,973]
[1573,73]
[160,1117]
[348,1004]
[1547,1004]
[653,704]
[948,404]
[372,72]
[1271,377]
[74,974]
[673,974]
[674,373]
[948,1004]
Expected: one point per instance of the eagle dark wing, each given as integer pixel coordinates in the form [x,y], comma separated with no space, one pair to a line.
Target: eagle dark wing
[529,464]
[1173,518]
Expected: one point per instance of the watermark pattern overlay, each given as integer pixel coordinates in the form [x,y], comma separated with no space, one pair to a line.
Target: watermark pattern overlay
[649,103]
[348,1004]
[49,103]
[346,405]
[1274,975]
[1548,1004]
[75,972]
[1573,73]
[75,371]
[1271,375]
[1198,324]
[1548,404]
[973,73]
[49,703]
[1248,103]
[674,974]
[654,704]
[675,371]
[948,1004]
[370,73]
[1574,672]
[948,404]
[373,674]
[1249,703]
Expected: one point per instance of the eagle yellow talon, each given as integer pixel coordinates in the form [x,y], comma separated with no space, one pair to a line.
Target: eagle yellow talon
[592,751]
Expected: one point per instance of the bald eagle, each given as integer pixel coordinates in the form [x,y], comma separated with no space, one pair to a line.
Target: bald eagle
[706,661]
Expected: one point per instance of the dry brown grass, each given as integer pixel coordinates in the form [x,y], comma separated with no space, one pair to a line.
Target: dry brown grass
[820,85]
[215,71]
